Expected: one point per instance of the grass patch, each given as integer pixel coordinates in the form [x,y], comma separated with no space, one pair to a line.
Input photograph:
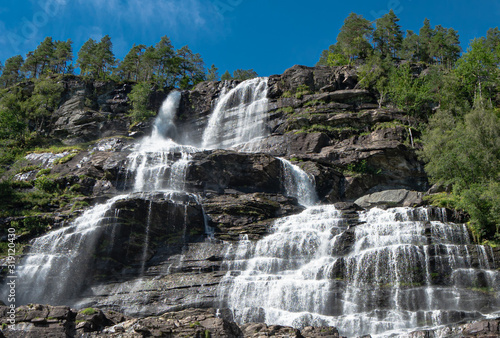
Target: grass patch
[27,169]
[286,110]
[65,159]
[43,172]
[89,311]
[314,103]
[61,149]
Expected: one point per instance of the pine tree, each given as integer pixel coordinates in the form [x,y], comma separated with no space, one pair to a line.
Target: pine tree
[104,58]
[425,38]
[388,36]
[40,60]
[130,66]
[167,64]
[242,74]
[452,48]
[191,68]
[11,73]
[149,61]
[226,76]
[353,39]
[493,42]
[96,59]
[410,49]
[63,56]
[85,59]
[212,73]
[323,59]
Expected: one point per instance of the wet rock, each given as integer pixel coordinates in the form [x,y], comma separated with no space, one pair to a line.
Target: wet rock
[221,170]
[481,329]
[328,181]
[233,215]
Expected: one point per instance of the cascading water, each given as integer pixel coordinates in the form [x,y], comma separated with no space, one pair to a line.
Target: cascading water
[397,270]
[239,116]
[55,267]
[298,184]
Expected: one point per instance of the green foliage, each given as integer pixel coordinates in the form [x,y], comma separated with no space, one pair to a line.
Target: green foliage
[301,91]
[352,41]
[45,99]
[375,74]
[47,184]
[335,59]
[387,35]
[242,74]
[65,159]
[11,73]
[465,152]
[43,172]
[49,57]
[361,167]
[313,103]
[28,169]
[89,311]
[478,72]
[286,110]
[96,59]
[139,98]
[409,92]
[226,76]
[212,73]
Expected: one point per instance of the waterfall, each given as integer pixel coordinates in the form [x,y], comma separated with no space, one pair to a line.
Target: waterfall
[239,116]
[164,126]
[298,184]
[55,268]
[57,263]
[397,270]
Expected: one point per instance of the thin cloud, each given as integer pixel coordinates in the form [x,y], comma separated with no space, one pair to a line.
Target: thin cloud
[171,14]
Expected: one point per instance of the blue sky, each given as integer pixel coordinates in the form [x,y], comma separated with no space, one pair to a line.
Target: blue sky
[266,35]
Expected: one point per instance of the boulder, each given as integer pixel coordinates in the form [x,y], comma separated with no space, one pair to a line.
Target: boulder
[391,198]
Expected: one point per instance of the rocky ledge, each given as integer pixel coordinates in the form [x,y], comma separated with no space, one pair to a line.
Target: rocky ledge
[43,321]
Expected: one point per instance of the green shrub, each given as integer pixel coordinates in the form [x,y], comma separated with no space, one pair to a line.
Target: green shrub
[139,98]
[29,168]
[301,91]
[46,184]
